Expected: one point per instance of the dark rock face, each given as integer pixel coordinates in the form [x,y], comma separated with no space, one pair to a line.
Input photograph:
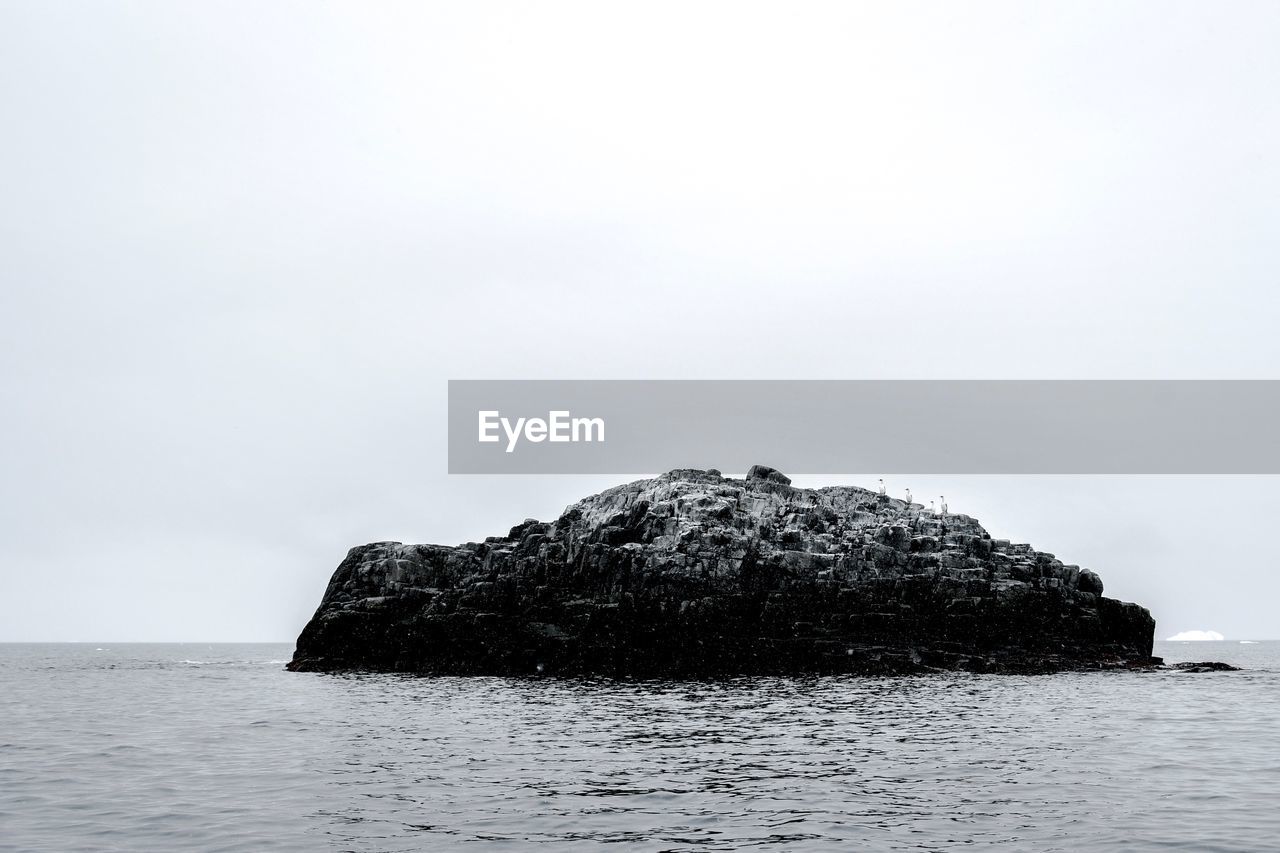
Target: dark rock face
[692,574]
[764,472]
[1204,666]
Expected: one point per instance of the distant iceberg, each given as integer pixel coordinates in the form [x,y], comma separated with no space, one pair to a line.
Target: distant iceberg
[1196,636]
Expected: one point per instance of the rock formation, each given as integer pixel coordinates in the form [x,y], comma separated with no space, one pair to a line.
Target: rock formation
[693,574]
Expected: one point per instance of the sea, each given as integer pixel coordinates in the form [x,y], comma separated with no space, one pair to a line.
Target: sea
[215,747]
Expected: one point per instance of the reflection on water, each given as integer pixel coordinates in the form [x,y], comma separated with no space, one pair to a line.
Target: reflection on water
[216,748]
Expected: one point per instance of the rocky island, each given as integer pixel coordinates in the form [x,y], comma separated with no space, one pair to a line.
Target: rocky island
[693,574]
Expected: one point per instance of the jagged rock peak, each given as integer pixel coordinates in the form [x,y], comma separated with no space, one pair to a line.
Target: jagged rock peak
[764,472]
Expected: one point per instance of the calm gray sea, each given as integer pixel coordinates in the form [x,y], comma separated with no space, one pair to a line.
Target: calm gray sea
[216,747]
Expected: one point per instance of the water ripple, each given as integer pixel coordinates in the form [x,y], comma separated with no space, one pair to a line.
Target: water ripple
[215,748]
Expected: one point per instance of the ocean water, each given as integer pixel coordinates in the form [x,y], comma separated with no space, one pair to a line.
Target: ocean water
[216,747]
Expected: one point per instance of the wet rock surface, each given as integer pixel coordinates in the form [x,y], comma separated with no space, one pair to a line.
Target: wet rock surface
[692,574]
[1202,666]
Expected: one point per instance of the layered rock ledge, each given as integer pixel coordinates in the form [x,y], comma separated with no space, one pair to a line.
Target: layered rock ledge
[692,574]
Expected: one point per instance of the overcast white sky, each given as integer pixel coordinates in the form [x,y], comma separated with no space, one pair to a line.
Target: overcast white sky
[243,246]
